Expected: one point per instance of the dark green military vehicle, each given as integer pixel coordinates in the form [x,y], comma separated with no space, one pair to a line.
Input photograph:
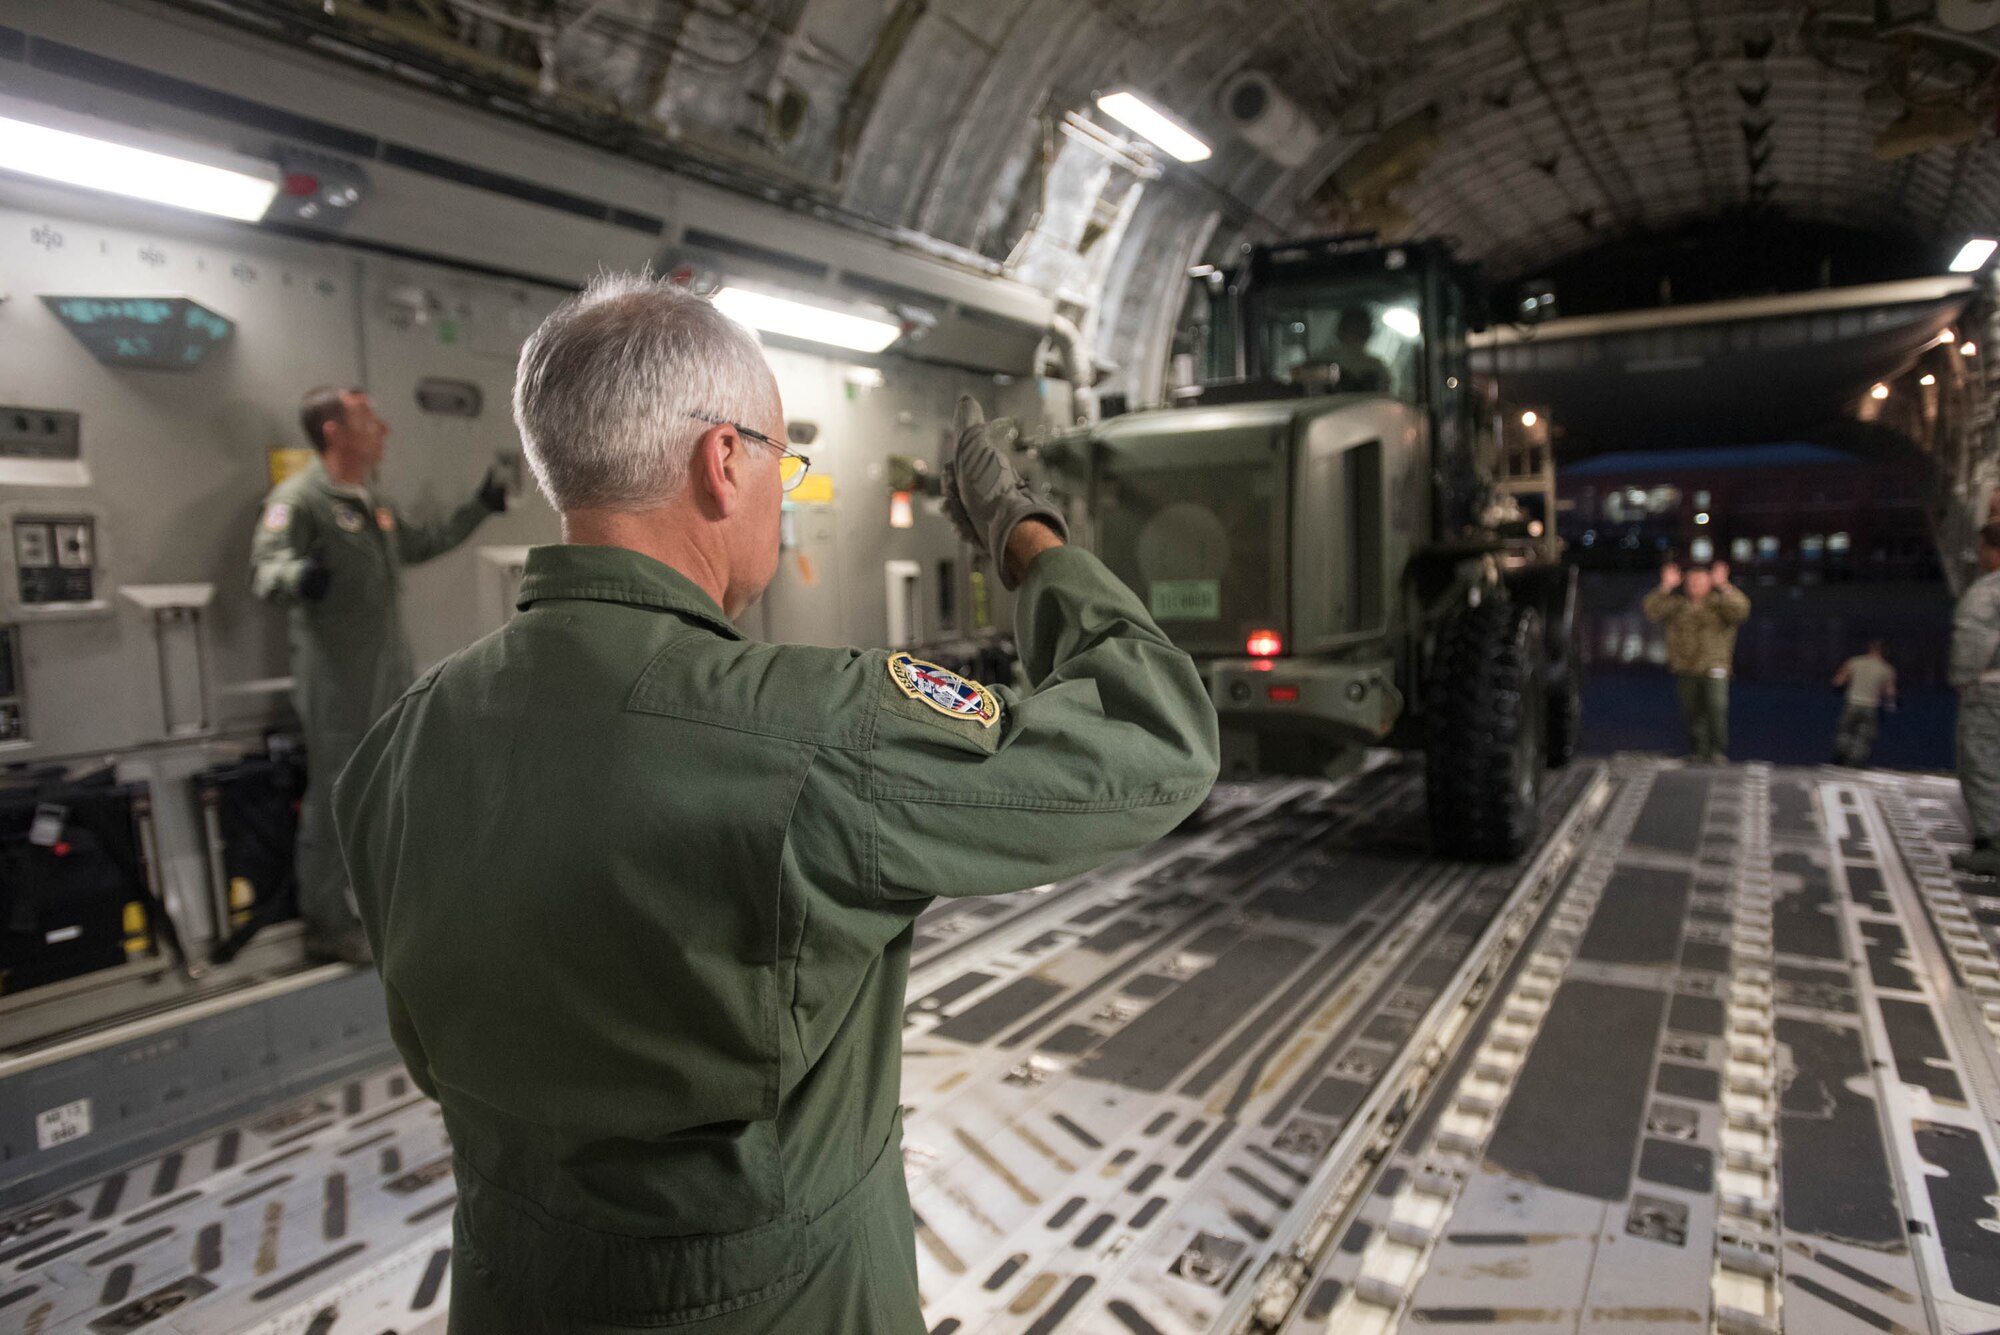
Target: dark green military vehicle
[1331,522]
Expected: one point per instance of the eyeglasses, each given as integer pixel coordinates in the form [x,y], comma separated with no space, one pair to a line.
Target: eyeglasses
[792,465]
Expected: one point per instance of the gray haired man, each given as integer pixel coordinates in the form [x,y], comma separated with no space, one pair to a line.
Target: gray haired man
[642,890]
[1975,671]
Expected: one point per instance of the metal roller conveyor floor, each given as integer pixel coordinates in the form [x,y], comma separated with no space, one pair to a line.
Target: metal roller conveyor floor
[1722,1052]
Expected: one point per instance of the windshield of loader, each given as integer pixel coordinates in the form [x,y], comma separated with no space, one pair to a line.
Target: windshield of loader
[1328,334]
[1342,336]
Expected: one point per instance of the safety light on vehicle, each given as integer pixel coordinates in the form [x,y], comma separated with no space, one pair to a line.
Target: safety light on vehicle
[1264,644]
[1283,695]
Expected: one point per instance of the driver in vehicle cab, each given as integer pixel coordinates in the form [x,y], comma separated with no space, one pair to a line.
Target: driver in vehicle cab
[1348,367]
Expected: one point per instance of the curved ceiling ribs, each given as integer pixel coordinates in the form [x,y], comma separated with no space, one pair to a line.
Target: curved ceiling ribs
[1526,130]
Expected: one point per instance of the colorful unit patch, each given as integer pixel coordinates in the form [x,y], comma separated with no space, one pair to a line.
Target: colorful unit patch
[944,691]
[385,518]
[276,516]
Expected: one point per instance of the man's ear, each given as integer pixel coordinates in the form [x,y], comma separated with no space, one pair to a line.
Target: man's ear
[717,468]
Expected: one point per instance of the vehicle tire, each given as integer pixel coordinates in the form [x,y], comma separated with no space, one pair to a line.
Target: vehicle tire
[1487,709]
[1565,706]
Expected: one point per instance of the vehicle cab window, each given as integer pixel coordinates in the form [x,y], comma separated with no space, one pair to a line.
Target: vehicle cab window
[1344,338]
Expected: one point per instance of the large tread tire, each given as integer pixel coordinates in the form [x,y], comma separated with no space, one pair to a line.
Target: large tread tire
[1487,729]
[1565,708]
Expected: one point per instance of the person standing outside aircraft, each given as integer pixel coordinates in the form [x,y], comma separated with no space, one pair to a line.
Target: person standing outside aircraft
[1871,685]
[1701,615]
[332,552]
[642,890]
[1975,670]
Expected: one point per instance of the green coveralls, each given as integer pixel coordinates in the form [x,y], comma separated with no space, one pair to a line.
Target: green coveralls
[641,892]
[350,659]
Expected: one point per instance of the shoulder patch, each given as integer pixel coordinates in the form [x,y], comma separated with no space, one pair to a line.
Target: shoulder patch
[276,515]
[348,517]
[943,690]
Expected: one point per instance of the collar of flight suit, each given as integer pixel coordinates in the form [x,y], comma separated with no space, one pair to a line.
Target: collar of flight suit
[617,575]
[317,475]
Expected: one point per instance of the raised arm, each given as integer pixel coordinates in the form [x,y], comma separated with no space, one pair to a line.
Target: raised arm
[417,543]
[1114,744]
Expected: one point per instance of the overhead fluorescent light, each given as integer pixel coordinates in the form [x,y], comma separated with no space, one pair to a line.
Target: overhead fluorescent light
[96,163]
[1135,113]
[1403,319]
[813,324]
[1972,256]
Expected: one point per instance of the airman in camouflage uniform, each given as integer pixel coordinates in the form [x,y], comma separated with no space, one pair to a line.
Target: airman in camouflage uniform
[1701,621]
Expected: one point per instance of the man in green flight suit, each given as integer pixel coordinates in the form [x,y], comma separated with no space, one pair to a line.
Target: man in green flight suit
[642,890]
[333,552]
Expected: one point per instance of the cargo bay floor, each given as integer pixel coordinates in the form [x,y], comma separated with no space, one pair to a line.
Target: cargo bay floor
[1719,1054]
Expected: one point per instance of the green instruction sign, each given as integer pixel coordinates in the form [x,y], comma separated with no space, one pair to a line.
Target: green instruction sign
[1186,599]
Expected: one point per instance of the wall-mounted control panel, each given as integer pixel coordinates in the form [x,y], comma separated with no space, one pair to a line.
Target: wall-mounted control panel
[53,559]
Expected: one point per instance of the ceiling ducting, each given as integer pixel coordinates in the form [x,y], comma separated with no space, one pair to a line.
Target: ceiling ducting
[1258,111]
[1360,194]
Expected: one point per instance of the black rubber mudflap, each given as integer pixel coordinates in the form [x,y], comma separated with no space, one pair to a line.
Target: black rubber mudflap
[1485,748]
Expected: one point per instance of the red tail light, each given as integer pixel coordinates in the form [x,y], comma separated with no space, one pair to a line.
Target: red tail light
[1264,644]
[1284,695]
